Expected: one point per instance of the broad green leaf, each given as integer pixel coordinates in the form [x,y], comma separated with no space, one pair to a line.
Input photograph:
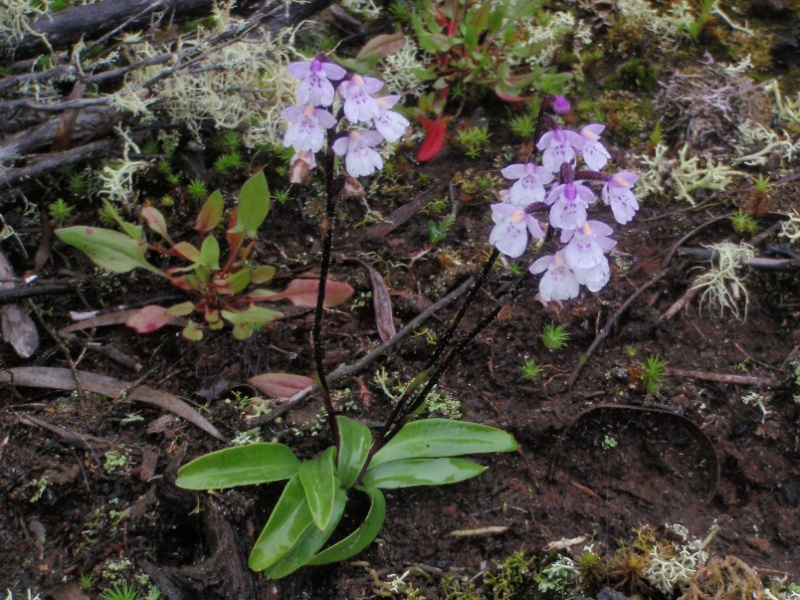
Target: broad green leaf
[233,284]
[181,310]
[361,537]
[255,317]
[355,440]
[434,438]
[496,21]
[253,205]
[111,250]
[421,471]
[209,252]
[188,251]
[192,332]
[243,465]
[471,38]
[211,213]
[289,520]
[309,543]
[262,274]
[320,485]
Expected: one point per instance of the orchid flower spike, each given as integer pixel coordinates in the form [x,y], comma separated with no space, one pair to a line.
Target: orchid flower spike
[558,147]
[568,203]
[390,124]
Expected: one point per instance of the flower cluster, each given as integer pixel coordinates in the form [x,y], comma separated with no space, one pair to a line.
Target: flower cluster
[582,259]
[310,118]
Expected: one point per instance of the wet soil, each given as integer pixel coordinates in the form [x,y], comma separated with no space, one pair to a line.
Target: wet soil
[601,457]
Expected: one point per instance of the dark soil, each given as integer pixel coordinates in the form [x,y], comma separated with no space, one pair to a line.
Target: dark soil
[564,482]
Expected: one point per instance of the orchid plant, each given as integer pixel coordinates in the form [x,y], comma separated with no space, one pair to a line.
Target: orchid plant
[220,289]
[406,453]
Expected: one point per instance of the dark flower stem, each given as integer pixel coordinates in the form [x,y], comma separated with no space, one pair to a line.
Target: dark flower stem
[326,228]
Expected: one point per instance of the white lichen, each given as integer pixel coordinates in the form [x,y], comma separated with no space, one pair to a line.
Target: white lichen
[723,286]
[690,174]
[674,565]
[791,228]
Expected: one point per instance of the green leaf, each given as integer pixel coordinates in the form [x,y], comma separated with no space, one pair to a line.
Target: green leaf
[234,283]
[320,485]
[192,332]
[253,205]
[242,465]
[262,274]
[209,252]
[188,251]
[289,520]
[134,231]
[361,537]
[255,317]
[211,213]
[355,440]
[111,250]
[434,438]
[309,543]
[421,471]
[496,21]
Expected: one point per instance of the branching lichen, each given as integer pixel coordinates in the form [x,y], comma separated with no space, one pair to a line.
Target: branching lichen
[723,287]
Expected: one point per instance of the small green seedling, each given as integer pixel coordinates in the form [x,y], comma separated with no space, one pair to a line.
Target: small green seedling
[743,222]
[437,233]
[554,337]
[473,140]
[531,369]
[197,190]
[122,591]
[653,371]
[60,212]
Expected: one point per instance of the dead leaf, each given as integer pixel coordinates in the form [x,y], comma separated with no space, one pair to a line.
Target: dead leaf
[303,293]
[280,385]
[383,305]
[119,317]
[18,328]
[62,379]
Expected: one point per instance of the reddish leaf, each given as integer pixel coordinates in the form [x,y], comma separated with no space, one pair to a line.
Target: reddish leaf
[434,138]
[280,385]
[303,293]
[382,46]
[211,213]
[150,318]
[383,306]
[155,221]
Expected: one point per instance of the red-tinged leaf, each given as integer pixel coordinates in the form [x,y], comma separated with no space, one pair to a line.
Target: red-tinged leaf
[512,98]
[155,221]
[382,46]
[383,305]
[433,143]
[211,213]
[303,293]
[234,239]
[280,385]
[150,318]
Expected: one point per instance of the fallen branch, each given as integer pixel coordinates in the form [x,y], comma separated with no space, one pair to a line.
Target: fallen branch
[768,382]
[772,264]
[62,379]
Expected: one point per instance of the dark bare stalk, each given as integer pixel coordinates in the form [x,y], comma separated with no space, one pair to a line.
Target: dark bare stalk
[327,243]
